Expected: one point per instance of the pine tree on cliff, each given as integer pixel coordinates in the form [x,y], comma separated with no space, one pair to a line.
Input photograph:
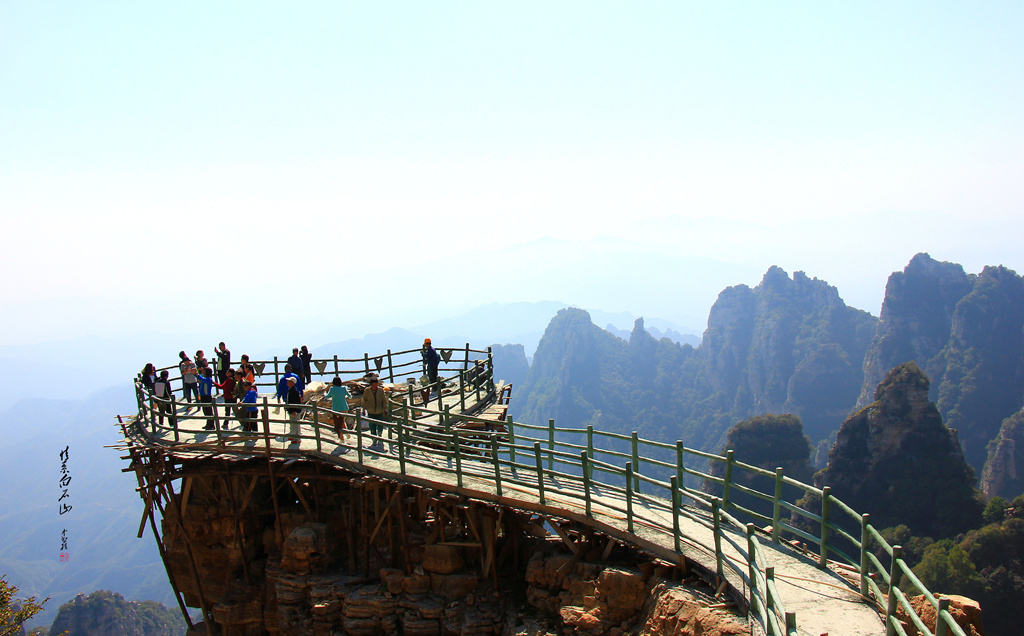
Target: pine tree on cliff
[896,460]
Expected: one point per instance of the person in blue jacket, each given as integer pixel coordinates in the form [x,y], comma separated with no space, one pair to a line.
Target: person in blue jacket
[431,359]
[282,384]
[250,407]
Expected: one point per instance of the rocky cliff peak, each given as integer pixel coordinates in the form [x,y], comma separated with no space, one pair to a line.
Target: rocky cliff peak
[916,318]
[1003,475]
[895,459]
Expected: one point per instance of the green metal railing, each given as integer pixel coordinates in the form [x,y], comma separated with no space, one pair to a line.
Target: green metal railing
[540,463]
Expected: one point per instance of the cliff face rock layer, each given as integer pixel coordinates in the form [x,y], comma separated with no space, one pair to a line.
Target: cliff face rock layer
[1004,469]
[967,332]
[332,552]
[895,457]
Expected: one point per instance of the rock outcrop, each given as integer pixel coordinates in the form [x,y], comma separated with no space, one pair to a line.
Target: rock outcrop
[1004,469]
[895,459]
[916,319]
[104,613]
[965,611]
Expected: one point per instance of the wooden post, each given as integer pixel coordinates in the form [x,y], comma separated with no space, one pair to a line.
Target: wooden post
[790,622]
[359,435]
[497,465]
[941,627]
[462,391]
[551,444]
[674,484]
[174,418]
[894,574]
[366,363]
[465,363]
[458,458]
[636,462]
[586,481]
[680,472]
[511,444]
[752,567]
[270,471]
[316,427]
[826,494]
[401,436]
[540,472]
[777,505]
[391,368]
[716,516]
[590,448]
[865,563]
[277,375]
[769,598]
[730,457]
[336,370]
[629,497]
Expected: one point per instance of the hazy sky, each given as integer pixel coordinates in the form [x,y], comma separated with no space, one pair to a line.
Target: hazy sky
[182,165]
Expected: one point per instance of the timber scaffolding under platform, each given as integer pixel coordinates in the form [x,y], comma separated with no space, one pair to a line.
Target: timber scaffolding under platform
[458,473]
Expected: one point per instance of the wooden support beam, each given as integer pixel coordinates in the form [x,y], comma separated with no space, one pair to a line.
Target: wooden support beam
[565,537]
[607,549]
[302,499]
[184,496]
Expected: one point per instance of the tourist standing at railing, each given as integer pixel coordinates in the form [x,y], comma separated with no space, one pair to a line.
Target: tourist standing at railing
[294,412]
[189,383]
[431,360]
[251,409]
[206,397]
[247,371]
[162,391]
[148,377]
[227,388]
[307,364]
[223,361]
[375,402]
[240,391]
[282,384]
[338,393]
[201,361]
[296,363]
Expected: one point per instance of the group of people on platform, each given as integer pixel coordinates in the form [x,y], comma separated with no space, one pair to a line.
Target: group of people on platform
[238,386]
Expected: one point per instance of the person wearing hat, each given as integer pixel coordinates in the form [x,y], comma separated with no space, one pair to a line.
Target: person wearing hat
[376,404]
[294,412]
[431,360]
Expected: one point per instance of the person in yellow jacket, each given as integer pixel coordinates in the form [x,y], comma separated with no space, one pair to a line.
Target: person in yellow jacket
[376,404]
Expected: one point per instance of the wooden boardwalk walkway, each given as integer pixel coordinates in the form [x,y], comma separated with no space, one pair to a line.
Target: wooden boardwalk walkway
[822,599]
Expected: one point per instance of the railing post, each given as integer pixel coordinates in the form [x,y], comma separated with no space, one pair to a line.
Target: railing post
[476,387]
[777,505]
[337,369]
[540,472]
[400,433]
[826,504]
[894,571]
[359,435]
[551,444]
[266,416]
[316,427]
[769,599]
[636,462]
[629,497]
[676,535]
[391,369]
[590,448]
[458,457]
[752,567]
[790,622]
[941,627]
[730,457]
[366,363]
[586,482]
[174,418]
[511,443]
[680,472]
[462,391]
[716,517]
[497,465]
[865,540]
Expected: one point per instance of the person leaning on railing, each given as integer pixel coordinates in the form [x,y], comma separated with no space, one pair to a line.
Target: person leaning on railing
[376,404]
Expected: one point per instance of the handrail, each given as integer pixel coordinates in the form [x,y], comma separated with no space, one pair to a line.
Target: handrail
[514,458]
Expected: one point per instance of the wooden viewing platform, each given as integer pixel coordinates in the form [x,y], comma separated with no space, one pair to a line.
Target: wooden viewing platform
[461,442]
